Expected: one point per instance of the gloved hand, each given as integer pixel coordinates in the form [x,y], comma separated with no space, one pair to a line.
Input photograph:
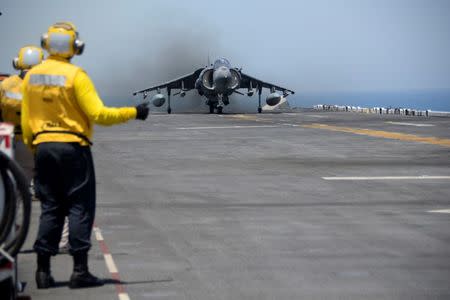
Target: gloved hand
[142,111]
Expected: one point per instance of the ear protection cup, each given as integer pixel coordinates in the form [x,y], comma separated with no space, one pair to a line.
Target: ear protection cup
[44,39]
[15,63]
[78,46]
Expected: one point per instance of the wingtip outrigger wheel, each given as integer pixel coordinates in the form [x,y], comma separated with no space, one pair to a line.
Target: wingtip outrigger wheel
[259,99]
[169,109]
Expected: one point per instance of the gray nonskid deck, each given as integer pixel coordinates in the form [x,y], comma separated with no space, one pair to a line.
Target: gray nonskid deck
[236,207]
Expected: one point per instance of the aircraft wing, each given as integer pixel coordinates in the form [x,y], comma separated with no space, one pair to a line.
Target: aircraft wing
[186,82]
[251,82]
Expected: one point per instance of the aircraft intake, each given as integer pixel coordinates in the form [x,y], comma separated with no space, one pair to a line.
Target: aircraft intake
[158,100]
[273,99]
[207,79]
[235,80]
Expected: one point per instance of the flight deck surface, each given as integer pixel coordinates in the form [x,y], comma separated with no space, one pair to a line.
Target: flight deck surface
[307,205]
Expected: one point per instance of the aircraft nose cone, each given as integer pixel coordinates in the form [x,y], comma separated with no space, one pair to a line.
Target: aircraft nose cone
[221,78]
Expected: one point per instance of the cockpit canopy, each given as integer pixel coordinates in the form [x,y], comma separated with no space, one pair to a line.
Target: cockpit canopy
[222,62]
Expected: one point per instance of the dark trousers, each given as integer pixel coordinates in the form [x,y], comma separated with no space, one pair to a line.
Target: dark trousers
[24,157]
[65,185]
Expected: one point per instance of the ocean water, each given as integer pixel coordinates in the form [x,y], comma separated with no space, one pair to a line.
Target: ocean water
[425,99]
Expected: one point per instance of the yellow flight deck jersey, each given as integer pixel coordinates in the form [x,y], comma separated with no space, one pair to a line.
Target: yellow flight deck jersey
[60,104]
[11,99]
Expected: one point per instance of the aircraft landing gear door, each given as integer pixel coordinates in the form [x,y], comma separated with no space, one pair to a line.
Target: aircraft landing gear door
[169,109]
[259,100]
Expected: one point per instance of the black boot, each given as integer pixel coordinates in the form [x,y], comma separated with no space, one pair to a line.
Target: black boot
[44,279]
[81,277]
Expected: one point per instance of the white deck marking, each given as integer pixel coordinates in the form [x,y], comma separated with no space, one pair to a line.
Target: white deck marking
[110,263]
[124,296]
[289,124]
[410,124]
[440,211]
[98,234]
[316,116]
[227,127]
[423,177]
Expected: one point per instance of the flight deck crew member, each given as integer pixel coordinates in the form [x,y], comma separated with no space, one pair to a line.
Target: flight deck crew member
[11,101]
[11,87]
[60,106]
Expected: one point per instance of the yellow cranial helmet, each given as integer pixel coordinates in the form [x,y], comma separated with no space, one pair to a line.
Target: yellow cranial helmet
[61,39]
[28,57]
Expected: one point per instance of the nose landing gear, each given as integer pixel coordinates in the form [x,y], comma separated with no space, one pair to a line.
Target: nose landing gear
[220,104]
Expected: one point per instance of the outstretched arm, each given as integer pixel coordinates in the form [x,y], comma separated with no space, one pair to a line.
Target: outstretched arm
[93,106]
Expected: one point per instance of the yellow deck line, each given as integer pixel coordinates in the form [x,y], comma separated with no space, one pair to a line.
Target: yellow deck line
[384,134]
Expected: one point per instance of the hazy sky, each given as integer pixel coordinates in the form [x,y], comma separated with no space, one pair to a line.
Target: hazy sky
[309,46]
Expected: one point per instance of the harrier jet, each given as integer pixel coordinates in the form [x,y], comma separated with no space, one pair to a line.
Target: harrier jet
[216,82]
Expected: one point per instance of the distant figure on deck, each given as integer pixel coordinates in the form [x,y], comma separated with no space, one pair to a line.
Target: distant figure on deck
[11,102]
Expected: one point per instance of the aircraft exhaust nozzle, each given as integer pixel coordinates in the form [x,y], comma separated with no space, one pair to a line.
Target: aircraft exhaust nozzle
[273,99]
[158,100]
